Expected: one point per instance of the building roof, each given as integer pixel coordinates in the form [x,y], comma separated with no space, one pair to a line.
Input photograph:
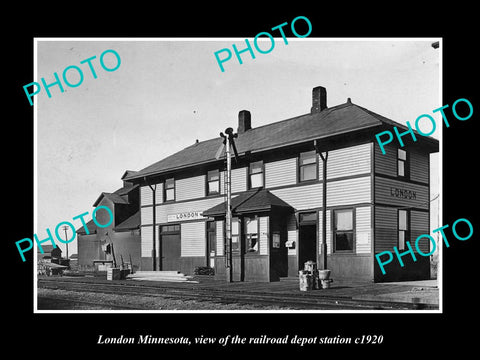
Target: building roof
[133,222]
[47,252]
[250,202]
[46,249]
[128,173]
[116,196]
[329,122]
[92,228]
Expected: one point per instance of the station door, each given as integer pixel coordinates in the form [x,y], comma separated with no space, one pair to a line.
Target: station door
[170,248]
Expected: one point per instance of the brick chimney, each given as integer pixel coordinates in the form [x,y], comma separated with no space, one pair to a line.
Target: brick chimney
[244,121]
[319,99]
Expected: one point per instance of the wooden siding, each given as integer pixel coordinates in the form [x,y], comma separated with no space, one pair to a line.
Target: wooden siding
[239,180]
[146,243]
[88,249]
[263,237]
[146,215]
[363,230]
[385,193]
[386,228]
[419,224]
[190,188]
[146,195]
[193,239]
[348,161]
[339,193]
[418,162]
[220,238]
[329,232]
[349,191]
[127,244]
[419,166]
[292,233]
[281,173]
[159,194]
[386,164]
[301,197]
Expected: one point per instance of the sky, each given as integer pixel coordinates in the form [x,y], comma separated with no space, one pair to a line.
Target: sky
[167,93]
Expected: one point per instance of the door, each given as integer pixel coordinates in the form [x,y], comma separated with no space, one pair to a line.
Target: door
[170,248]
[307,239]
[211,243]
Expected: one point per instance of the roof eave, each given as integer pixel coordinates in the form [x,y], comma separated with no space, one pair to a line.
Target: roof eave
[258,150]
[102,195]
[125,229]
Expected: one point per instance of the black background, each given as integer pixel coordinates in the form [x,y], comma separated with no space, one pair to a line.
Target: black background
[47,335]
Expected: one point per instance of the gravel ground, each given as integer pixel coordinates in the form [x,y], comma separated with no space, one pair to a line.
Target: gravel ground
[49,299]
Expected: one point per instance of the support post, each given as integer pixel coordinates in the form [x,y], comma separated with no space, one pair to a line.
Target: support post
[324,213]
[324,206]
[154,242]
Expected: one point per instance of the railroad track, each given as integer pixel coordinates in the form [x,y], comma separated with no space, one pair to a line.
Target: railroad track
[45,302]
[173,291]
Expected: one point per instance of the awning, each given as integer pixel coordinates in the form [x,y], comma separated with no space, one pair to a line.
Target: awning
[251,201]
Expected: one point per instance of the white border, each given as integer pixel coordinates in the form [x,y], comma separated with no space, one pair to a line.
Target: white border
[35,178]
[440,215]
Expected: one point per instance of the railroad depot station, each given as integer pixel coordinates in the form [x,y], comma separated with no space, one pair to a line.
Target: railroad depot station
[171,214]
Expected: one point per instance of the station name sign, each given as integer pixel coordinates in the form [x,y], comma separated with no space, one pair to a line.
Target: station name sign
[186,215]
[403,193]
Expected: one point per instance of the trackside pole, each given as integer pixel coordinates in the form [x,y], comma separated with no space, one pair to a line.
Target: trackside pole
[228,141]
[228,215]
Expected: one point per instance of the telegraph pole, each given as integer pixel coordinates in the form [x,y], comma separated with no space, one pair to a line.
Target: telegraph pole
[65,227]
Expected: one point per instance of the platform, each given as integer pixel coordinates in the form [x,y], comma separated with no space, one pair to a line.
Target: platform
[341,295]
[167,276]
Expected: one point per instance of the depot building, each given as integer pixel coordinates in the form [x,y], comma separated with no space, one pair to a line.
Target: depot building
[374,201]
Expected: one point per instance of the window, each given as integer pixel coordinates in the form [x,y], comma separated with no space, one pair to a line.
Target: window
[276,240]
[211,236]
[308,217]
[235,235]
[211,243]
[170,228]
[402,228]
[256,174]
[343,230]
[251,234]
[308,166]
[401,162]
[213,182]
[169,189]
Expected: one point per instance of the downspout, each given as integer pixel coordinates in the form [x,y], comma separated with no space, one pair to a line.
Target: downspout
[324,206]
